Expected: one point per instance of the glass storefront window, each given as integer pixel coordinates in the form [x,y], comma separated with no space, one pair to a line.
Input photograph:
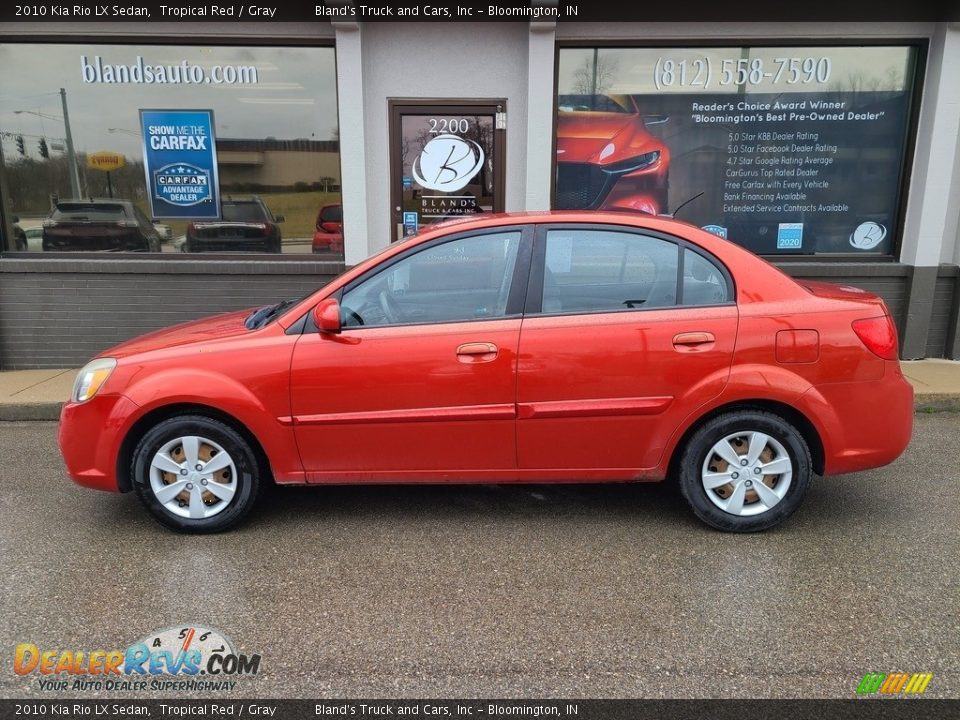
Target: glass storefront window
[173,148]
[796,150]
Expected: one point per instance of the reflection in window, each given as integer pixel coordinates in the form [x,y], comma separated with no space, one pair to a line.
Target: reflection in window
[703,283]
[599,270]
[464,279]
[275,130]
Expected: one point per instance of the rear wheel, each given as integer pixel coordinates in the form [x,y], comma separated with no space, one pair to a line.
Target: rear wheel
[195,474]
[745,471]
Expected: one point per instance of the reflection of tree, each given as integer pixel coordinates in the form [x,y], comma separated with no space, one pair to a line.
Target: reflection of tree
[595,76]
[481,132]
[891,80]
[32,181]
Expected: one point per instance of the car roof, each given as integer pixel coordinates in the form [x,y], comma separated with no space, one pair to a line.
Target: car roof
[608,217]
[94,201]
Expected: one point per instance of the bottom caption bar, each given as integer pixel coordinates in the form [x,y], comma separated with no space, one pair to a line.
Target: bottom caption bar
[889,709]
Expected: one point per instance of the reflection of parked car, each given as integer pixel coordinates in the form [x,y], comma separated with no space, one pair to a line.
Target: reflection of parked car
[99,224]
[245,224]
[540,347]
[606,157]
[19,236]
[164,231]
[329,234]
[34,238]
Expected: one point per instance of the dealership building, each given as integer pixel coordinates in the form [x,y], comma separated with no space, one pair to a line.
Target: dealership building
[157,172]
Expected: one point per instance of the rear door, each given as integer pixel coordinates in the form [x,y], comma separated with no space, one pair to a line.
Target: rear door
[625,333]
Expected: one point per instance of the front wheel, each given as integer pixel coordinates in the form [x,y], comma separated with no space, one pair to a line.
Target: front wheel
[745,471]
[195,474]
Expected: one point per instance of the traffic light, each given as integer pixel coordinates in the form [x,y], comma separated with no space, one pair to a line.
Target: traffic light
[20,148]
[44,150]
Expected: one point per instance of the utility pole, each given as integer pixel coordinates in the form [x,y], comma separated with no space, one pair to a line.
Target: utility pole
[71,155]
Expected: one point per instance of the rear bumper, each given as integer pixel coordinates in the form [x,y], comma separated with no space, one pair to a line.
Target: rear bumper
[863,425]
[89,437]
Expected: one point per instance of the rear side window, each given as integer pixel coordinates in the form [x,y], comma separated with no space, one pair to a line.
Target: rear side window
[90,212]
[606,270]
[703,281]
[332,214]
[243,212]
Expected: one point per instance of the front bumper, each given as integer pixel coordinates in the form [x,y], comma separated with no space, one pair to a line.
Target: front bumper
[90,436]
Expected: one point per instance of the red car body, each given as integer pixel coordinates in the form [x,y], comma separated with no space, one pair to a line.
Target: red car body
[328,237]
[607,159]
[609,396]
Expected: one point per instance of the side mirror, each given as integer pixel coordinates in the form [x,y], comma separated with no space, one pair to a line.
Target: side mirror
[326,315]
[279,218]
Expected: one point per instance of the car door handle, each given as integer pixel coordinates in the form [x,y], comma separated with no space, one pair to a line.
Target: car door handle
[477,352]
[693,339]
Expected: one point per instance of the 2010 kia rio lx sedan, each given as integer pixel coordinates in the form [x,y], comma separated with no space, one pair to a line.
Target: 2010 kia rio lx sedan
[554,347]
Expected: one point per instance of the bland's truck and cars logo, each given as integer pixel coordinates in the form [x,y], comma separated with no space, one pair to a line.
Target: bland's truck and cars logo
[181,658]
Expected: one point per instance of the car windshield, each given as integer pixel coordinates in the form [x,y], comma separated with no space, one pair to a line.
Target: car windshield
[89,211]
[242,212]
[595,103]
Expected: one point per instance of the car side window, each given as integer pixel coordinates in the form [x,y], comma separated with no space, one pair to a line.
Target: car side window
[464,279]
[332,214]
[703,281]
[604,270]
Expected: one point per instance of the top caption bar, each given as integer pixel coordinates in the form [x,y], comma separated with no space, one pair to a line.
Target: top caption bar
[473,11]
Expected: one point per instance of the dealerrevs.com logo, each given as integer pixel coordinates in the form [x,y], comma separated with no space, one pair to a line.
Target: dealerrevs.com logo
[182,658]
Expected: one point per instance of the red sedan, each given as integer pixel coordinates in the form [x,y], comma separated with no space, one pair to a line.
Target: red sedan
[555,347]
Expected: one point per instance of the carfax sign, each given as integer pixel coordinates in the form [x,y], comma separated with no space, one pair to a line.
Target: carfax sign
[180,161]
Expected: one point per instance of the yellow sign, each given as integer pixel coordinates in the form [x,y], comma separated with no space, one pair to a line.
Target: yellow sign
[106,161]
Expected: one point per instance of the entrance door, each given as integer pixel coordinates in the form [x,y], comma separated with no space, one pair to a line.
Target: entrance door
[446,161]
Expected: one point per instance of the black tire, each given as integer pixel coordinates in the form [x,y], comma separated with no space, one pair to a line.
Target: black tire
[702,442]
[248,472]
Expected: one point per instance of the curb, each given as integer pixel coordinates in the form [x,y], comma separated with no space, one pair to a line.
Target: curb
[30,411]
[50,411]
[933,402]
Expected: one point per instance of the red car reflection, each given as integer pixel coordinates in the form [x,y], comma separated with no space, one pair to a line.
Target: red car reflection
[328,237]
[607,159]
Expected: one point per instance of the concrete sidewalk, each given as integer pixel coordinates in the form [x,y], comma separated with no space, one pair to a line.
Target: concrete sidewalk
[38,394]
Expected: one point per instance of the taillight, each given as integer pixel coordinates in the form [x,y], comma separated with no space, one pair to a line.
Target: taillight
[267,229]
[879,335]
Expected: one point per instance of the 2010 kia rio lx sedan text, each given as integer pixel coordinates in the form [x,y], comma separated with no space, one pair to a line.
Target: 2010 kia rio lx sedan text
[554,347]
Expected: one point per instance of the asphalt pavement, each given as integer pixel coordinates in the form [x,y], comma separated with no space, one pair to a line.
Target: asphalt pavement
[496,591]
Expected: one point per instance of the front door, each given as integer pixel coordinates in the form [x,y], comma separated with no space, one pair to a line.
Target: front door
[420,384]
[446,161]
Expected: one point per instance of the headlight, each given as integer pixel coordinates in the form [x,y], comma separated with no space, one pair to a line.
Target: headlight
[630,164]
[91,378]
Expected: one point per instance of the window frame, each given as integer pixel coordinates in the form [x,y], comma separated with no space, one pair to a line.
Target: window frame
[921,47]
[533,306]
[268,39]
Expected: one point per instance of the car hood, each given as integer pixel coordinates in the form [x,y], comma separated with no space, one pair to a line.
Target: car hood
[582,136]
[216,327]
